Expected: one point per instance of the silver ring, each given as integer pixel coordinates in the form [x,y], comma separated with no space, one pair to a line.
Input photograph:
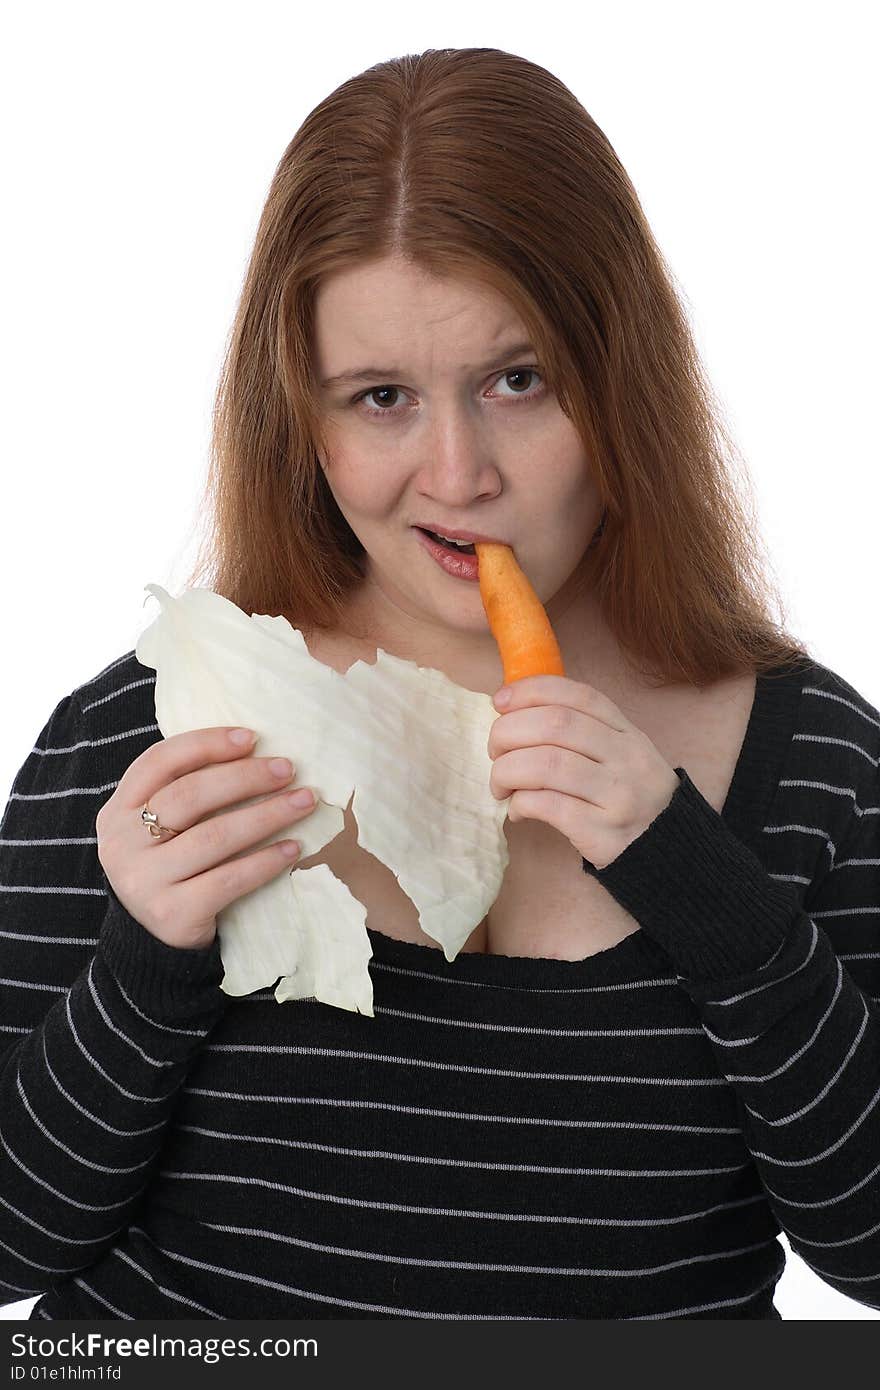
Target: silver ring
[151,821]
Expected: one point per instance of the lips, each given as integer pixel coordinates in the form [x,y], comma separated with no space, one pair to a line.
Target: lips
[454,535]
[447,542]
[460,564]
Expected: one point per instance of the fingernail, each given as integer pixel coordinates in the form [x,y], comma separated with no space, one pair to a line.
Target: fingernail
[281,767]
[303,797]
[241,736]
[502,697]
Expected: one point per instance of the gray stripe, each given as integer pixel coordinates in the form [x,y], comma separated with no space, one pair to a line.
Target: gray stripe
[132,1095]
[833,1244]
[51,888]
[836,742]
[841,700]
[417,1262]
[385,1308]
[52,940]
[98,742]
[735,998]
[157,1062]
[805,830]
[164,1027]
[114,694]
[34,984]
[846,912]
[827,1201]
[441,1161]
[111,1129]
[459,1114]
[846,1278]
[67,791]
[112,1306]
[62,840]
[86,1162]
[540,1218]
[54,1235]
[114,665]
[326,1298]
[818,786]
[28,1293]
[291,1051]
[62,1196]
[543,1032]
[832,1148]
[169,1293]
[770,1075]
[706,1307]
[486,984]
[796,1114]
[34,1264]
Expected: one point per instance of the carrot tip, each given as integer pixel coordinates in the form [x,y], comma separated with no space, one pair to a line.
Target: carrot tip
[526,641]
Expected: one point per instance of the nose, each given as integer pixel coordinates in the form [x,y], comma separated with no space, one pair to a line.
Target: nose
[460,465]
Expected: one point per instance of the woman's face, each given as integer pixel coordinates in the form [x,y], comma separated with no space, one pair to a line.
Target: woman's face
[451,426]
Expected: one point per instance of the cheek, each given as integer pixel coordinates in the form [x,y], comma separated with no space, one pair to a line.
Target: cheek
[571,492]
[362,487]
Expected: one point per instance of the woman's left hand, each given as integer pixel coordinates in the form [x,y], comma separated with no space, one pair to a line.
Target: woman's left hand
[565,755]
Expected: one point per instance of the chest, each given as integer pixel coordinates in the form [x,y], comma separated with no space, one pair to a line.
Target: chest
[547,905]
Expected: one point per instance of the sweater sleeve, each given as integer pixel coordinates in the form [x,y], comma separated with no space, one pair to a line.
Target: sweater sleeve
[793,1033]
[99,1020]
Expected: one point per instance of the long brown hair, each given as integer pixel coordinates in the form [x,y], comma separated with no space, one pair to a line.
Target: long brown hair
[474,162]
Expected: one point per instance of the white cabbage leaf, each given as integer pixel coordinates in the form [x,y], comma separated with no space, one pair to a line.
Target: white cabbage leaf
[406,741]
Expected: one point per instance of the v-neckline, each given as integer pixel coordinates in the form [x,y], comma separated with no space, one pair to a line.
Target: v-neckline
[764,749]
[745,812]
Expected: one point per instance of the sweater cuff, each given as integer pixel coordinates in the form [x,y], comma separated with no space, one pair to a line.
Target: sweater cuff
[699,892]
[169,983]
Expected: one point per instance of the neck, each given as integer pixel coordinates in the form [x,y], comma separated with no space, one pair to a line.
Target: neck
[590,654]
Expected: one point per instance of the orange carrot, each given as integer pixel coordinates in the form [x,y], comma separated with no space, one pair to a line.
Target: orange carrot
[516,616]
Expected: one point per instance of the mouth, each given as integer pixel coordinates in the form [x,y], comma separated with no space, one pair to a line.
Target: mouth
[453,549]
[458,542]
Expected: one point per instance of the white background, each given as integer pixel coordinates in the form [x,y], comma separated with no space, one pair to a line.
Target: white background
[139,143]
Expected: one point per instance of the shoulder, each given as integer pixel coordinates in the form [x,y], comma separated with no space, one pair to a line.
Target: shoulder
[121,690]
[832,772]
[833,708]
[88,740]
[115,715]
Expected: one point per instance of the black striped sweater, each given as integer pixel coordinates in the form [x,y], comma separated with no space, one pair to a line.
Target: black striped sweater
[621,1137]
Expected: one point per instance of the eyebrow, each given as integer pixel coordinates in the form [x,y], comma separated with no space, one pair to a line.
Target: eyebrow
[385,374]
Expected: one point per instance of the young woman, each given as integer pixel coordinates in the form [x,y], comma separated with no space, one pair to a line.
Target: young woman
[658,1049]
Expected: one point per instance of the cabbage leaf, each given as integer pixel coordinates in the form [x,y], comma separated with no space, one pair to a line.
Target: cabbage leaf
[408,743]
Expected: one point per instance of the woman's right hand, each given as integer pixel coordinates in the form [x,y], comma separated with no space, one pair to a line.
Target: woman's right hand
[175,885]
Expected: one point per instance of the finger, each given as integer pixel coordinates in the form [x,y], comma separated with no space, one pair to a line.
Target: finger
[222,838]
[556,726]
[197,795]
[211,892]
[559,690]
[582,825]
[163,762]
[554,770]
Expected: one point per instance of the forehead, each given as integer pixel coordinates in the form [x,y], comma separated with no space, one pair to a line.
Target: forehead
[391,307]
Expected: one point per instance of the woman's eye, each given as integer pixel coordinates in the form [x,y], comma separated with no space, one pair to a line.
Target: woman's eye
[387,408]
[521,372]
[378,391]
